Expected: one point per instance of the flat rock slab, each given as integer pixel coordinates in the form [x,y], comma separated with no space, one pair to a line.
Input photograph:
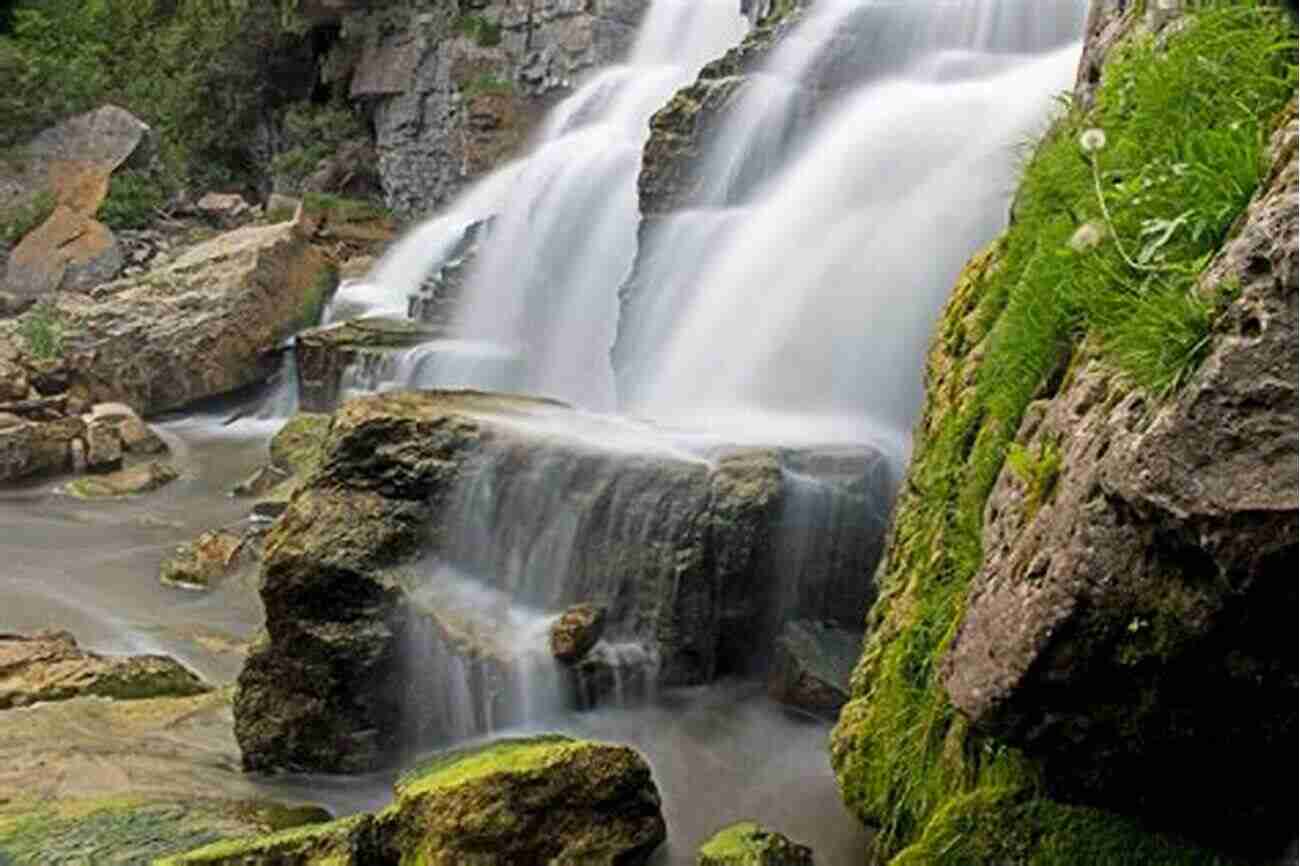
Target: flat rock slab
[324,354]
[49,666]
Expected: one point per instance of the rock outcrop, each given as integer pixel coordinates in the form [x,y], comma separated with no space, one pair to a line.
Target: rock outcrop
[1126,629]
[453,92]
[361,351]
[682,550]
[748,844]
[49,666]
[576,632]
[203,324]
[547,799]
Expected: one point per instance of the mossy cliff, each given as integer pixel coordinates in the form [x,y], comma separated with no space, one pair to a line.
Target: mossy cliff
[1078,638]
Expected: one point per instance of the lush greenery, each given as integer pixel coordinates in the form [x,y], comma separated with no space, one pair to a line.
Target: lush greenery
[343,209]
[19,219]
[1118,212]
[134,199]
[312,132]
[201,72]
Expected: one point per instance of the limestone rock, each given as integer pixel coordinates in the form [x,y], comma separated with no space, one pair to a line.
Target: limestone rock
[70,250]
[812,666]
[49,666]
[31,448]
[1127,629]
[103,446]
[366,345]
[14,383]
[545,799]
[136,436]
[684,554]
[203,324]
[134,480]
[748,844]
[576,632]
[212,556]
[224,209]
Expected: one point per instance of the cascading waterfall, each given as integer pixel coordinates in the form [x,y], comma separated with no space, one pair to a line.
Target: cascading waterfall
[564,233]
[815,293]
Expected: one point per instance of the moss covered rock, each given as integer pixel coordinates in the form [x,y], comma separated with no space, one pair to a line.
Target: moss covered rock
[547,799]
[49,666]
[748,844]
[131,481]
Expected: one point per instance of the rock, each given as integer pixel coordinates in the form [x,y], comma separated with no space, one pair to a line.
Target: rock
[29,449]
[352,171]
[297,447]
[205,323]
[748,844]
[49,666]
[368,346]
[545,799]
[812,666]
[224,209]
[14,383]
[71,251]
[201,563]
[136,436]
[685,554]
[103,445]
[1128,628]
[263,480]
[576,632]
[141,478]
[279,204]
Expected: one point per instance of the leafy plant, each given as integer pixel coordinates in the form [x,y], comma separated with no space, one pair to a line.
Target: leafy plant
[133,201]
[1037,470]
[485,32]
[18,220]
[42,328]
[312,132]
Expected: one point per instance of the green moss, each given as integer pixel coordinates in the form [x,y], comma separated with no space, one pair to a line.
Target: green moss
[1184,127]
[296,447]
[1038,470]
[327,844]
[482,30]
[341,209]
[18,220]
[485,84]
[1005,825]
[514,755]
[315,299]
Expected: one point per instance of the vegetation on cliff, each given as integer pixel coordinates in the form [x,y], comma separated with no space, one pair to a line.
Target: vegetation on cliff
[1120,210]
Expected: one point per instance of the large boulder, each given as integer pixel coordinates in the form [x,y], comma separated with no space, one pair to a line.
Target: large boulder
[70,164]
[812,666]
[1127,628]
[684,551]
[131,481]
[546,799]
[49,666]
[29,448]
[203,324]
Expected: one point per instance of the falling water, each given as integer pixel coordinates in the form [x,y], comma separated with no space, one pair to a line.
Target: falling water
[818,287]
[564,233]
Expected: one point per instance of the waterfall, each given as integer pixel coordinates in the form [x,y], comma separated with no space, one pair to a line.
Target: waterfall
[564,230]
[820,280]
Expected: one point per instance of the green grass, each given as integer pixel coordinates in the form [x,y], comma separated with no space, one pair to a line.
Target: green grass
[487,83]
[485,32]
[1185,131]
[42,328]
[344,209]
[20,219]
[312,133]
[510,755]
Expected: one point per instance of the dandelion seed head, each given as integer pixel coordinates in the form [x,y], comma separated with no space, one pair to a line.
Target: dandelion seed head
[1092,140]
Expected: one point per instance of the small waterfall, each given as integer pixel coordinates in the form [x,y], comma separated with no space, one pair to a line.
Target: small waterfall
[818,288]
[564,223]
[281,401]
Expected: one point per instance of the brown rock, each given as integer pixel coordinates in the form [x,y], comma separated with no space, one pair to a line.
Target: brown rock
[204,561]
[33,448]
[225,209]
[141,478]
[103,446]
[136,436]
[49,666]
[576,632]
[70,250]
[14,383]
[812,666]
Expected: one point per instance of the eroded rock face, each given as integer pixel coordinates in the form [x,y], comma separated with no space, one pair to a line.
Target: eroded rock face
[49,666]
[1128,632]
[201,325]
[364,348]
[684,553]
[456,91]
[576,632]
[547,799]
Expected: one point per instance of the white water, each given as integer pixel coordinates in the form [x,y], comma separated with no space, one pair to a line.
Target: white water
[817,289]
[564,237]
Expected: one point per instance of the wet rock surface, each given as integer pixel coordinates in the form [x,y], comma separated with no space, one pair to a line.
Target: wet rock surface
[546,799]
[812,666]
[1127,628]
[576,632]
[363,349]
[683,554]
[132,481]
[49,666]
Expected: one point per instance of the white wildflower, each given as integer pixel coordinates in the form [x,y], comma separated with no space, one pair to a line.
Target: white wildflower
[1092,140]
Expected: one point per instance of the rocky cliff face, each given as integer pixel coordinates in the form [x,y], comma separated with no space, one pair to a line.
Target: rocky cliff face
[688,555]
[1088,629]
[454,90]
